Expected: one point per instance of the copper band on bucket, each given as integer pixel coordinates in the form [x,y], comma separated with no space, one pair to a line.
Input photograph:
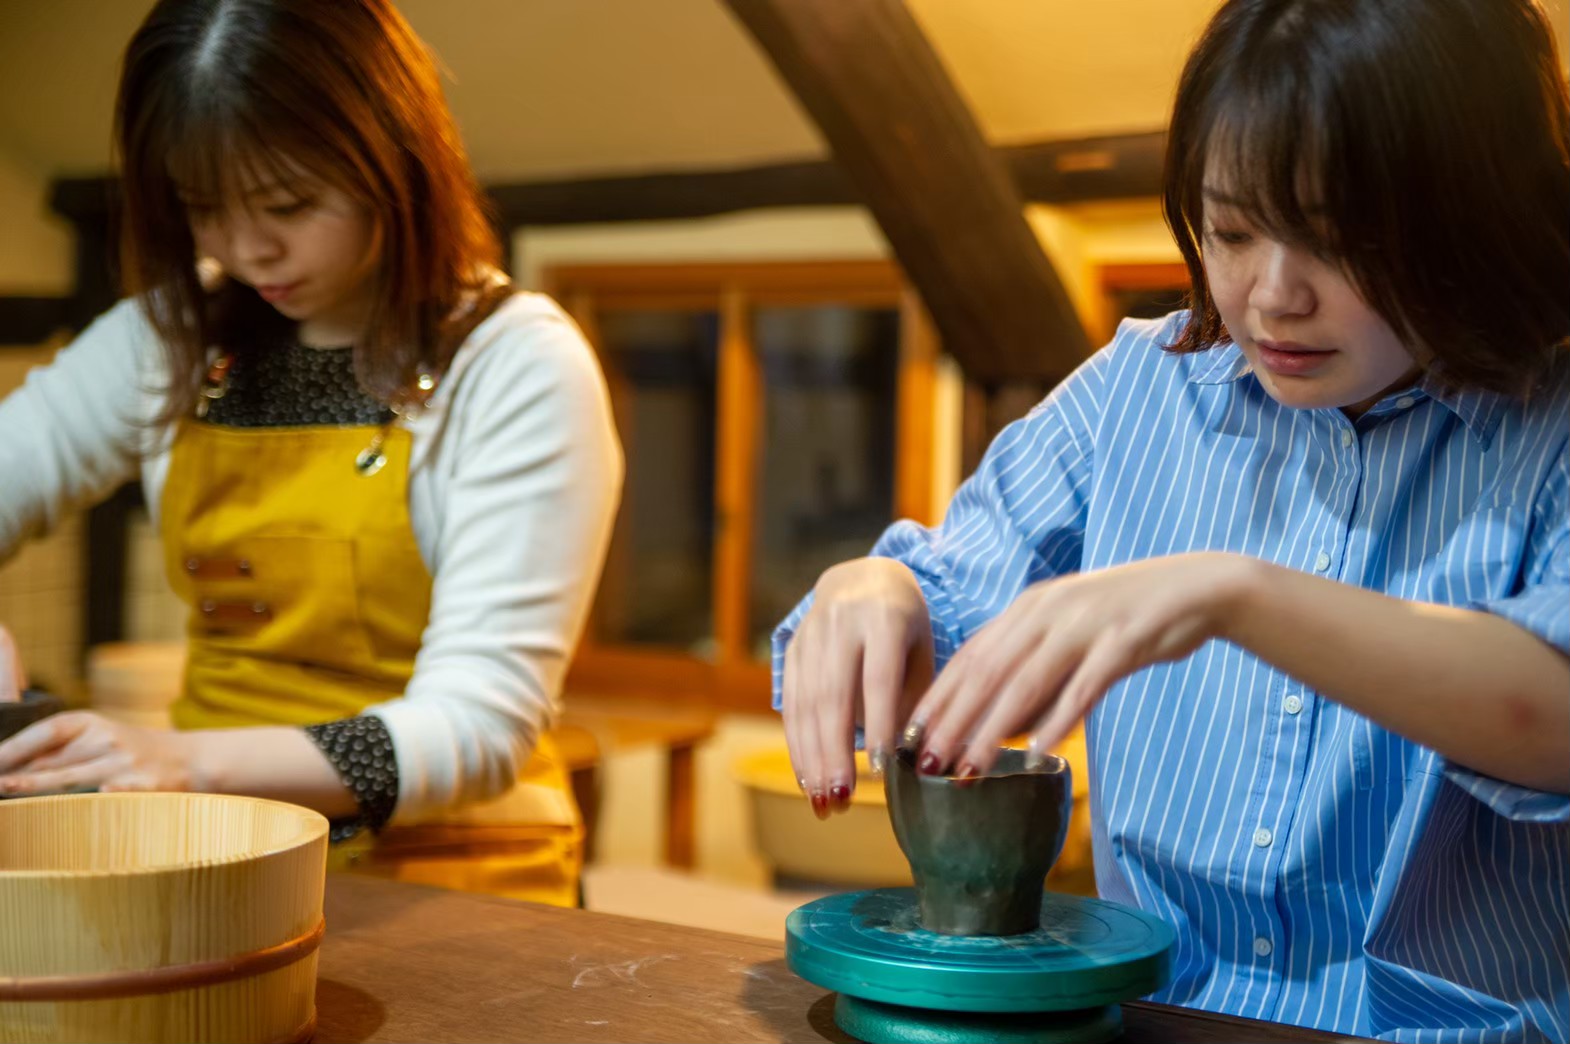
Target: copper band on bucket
[143,982]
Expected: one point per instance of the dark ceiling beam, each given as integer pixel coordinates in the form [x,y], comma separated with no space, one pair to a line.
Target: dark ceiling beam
[950,210]
[27,321]
[1120,166]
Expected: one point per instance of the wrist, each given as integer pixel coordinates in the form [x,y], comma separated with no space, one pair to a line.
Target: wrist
[202,768]
[1240,594]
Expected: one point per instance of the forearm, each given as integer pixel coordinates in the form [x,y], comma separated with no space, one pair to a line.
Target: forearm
[268,762]
[1481,691]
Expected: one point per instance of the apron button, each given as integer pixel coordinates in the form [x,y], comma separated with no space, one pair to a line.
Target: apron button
[258,608]
[192,565]
[245,567]
[209,607]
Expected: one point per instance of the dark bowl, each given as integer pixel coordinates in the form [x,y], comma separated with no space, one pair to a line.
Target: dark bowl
[980,848]
[34,706]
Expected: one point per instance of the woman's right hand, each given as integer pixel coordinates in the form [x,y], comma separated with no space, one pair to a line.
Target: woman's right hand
[12,679]
[862,655]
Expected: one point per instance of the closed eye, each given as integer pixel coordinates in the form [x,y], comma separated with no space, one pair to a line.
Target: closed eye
[292,209]
[1231,237]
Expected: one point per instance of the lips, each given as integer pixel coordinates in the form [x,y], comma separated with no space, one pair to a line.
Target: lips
[1291,359]
[275,292]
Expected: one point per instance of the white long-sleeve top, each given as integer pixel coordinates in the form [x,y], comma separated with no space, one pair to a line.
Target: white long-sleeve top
[515,474]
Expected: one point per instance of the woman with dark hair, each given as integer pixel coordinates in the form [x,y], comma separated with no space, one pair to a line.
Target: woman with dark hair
[384,481]
[1299,555]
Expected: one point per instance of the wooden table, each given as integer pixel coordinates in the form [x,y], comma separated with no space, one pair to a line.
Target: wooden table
[407,963]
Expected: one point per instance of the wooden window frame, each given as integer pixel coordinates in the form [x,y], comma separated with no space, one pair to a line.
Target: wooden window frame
[1133,276]
[732,680]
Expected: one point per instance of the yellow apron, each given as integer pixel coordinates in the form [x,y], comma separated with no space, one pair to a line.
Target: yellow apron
[308,598]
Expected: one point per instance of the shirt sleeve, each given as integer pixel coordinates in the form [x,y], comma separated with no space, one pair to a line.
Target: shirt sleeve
[360,750]
[1542,607]
[1019,519]
[77,427]
[525,482]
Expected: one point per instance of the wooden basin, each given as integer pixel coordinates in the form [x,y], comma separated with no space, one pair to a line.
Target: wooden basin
[159,917]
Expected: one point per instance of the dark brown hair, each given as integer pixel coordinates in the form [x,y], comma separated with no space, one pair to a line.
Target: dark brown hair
[341,89]
[1432,139]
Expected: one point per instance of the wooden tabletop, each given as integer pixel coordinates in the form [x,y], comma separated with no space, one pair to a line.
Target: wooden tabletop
[406,963]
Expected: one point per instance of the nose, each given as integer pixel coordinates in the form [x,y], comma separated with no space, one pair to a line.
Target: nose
[1281,286]
[250,245]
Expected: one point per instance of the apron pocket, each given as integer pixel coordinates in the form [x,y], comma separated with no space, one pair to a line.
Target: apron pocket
[297,603]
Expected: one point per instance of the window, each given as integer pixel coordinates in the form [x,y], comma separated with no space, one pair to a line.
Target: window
[775,418]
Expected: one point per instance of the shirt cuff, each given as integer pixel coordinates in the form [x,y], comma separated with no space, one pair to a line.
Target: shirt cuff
[1510,800]
[360,750]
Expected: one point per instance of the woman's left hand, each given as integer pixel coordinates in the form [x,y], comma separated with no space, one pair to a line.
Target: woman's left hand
[79,750]
[1043,662]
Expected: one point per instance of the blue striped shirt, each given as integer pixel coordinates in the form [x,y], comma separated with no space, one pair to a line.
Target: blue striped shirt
[1318,869]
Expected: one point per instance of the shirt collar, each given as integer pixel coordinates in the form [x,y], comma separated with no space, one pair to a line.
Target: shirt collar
[1480,411]
[1222,364]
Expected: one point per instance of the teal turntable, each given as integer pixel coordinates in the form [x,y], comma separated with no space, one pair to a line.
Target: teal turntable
[977,950]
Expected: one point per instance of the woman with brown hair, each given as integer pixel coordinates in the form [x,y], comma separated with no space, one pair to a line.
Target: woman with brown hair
[384,481]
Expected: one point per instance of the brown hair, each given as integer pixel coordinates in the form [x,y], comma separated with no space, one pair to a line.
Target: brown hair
[1434,138]
[341,89]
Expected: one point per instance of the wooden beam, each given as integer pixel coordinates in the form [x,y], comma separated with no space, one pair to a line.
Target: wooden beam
[870,80]
[1119,166]
[29,321]
[671,195]
[1122,166]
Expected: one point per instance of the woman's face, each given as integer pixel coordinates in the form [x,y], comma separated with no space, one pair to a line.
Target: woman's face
[306,247]
[1311,339]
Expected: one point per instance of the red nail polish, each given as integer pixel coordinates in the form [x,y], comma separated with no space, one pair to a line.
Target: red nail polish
[839,796]
[929,764]
[820,806]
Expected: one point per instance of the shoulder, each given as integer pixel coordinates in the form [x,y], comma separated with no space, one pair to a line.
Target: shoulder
[1140,349]
[124,330]
[528,344]
[1136,363]
[526,366]
[121,352]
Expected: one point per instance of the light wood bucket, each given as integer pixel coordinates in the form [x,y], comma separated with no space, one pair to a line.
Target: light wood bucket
[159,917]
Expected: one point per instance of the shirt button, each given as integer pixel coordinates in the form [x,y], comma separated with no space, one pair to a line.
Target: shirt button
[1262,946]
[1346,437]
[1321,562]
[1292,704]
[1405,402]
[1263,837]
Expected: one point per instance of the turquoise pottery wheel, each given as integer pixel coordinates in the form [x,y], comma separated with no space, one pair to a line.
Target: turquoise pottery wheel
[898,982]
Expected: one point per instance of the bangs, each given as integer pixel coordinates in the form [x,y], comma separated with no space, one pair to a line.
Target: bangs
[216,160]
[1268,156]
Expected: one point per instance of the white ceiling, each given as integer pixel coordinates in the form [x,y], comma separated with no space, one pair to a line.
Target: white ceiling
[554,87]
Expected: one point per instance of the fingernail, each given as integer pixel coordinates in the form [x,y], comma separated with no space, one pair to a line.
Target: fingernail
[839,797]
[820,806]
[1035,760]
[913,734]
[929,764]
[801,783]
[878,758]
[966,771]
